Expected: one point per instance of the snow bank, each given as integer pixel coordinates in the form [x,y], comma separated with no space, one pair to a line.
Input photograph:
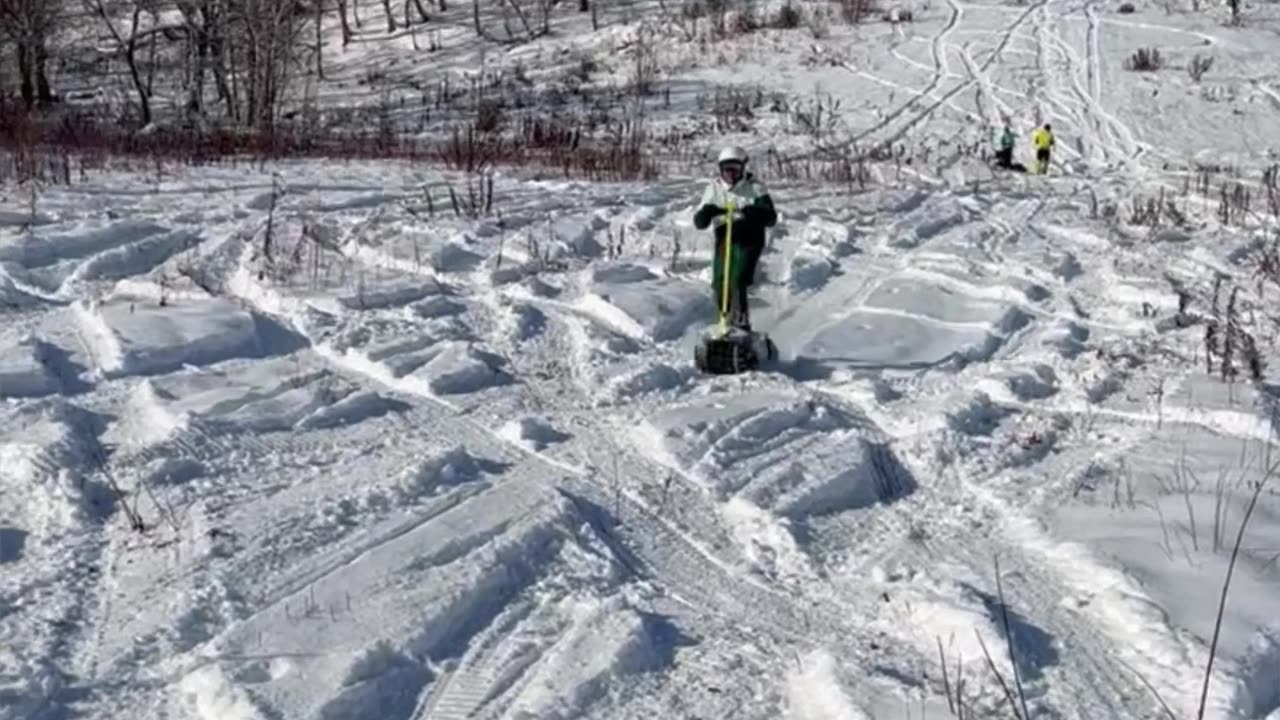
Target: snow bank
[13,296]
[934,217]
[438,306]
[808,270]
[386,291]
[24,372]
[135,258]
[814,691]
[743,444]
[456,367]
[293,392]
[409,595]
[533,433]
[1258,692]
[424,366]
[356,407]
[152,415]
[634,301]
[47,449]
[768,542]
[649,378]
[33,250]
[605,640]
[450,467]
[212,695]
[25,688]
[129,337]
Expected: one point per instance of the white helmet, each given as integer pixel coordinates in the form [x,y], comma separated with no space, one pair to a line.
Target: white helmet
[732,153]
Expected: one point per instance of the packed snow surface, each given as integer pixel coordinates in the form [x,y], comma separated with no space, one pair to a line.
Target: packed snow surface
[375,463]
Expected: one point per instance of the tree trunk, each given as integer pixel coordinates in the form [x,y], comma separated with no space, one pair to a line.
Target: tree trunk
[319,39]
[26,87]
[44,94]
[346,25]
[391,20]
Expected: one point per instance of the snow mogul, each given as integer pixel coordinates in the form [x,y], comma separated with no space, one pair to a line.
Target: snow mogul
[740,209]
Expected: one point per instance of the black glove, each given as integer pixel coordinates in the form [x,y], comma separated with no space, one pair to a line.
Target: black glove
[764,216]
[703,217]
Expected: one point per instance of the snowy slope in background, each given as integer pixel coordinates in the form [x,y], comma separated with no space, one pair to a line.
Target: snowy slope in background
[404,463]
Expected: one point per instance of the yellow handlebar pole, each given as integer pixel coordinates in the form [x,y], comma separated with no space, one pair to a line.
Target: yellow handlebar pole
[724,280]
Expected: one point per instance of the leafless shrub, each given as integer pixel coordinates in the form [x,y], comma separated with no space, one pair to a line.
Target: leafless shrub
[684,19]
[676,247]
[1266,265]
[1198,66]
[1227,339]
[534,21]
[1203,181]
[490,114]
[818,20]
[614,246]
[1144,60]
[855,12]
[1155,211]
[818,117]
[478,200]
[732,107]
[787,17]
[899,15]
[845,170]
[1233,203]
[1271,185]
[644,68]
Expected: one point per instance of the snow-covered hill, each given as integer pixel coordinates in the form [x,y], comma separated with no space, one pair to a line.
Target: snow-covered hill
[394,458]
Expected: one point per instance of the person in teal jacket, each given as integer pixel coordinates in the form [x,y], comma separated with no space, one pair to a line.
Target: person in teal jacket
[1004,147]
[753,212]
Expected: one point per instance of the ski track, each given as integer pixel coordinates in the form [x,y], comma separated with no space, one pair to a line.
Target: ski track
[928,111]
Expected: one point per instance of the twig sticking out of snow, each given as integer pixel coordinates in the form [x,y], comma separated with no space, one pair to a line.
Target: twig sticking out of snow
[1226,583]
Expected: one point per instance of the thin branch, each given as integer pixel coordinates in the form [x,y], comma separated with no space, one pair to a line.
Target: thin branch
[1226,588]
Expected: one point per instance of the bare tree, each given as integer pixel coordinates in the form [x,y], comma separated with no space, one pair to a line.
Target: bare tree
[346,24]
[27,24]
[126,41]
[271,31]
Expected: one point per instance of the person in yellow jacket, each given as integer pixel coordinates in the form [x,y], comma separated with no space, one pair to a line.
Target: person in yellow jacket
[1042,139]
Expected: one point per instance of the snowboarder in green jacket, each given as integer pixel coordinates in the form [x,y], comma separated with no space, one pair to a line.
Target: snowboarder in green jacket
[753,211]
